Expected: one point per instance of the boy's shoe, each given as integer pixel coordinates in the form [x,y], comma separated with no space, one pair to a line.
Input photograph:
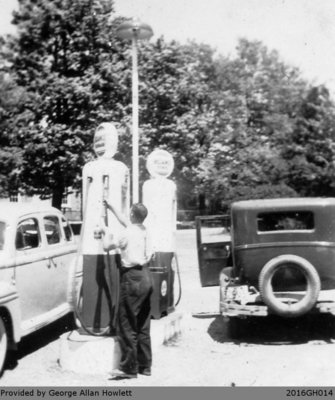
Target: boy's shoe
[145,371]
[119,374]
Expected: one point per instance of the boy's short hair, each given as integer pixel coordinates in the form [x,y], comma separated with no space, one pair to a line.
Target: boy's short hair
[139,211]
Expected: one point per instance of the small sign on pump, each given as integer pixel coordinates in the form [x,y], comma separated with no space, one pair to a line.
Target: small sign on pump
[160,164]
[105,140]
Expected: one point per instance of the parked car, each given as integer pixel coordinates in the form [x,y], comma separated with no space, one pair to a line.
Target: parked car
[37,248]
[283,259]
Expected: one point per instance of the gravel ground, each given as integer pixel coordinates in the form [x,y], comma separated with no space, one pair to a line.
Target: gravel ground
[269,353]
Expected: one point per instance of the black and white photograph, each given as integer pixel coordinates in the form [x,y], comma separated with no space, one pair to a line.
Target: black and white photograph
[167,196]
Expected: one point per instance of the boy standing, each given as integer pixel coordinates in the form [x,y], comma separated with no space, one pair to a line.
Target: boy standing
[135,292]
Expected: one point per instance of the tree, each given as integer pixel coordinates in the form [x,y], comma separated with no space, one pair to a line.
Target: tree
[259,97]
[78,74]
[61,58]
[310,151]
[177,106]
[11,100]
[237,127]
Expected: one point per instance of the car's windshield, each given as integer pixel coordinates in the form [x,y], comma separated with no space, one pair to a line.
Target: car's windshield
[2,234]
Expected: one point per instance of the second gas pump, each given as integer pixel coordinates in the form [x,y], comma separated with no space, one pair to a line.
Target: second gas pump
[159,196]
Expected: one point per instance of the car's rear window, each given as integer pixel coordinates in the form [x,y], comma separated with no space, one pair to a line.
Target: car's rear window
[285,221]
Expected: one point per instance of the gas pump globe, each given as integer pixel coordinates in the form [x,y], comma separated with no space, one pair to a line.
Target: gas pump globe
[103,178]
[159,196]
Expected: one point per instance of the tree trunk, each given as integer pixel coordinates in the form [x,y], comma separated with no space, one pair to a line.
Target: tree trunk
[57,197]
[202,204]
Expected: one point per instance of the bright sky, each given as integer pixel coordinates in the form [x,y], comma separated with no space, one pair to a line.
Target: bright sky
[303,31]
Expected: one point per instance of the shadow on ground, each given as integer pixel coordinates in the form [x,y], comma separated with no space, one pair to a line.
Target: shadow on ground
[273,330]
[39,339]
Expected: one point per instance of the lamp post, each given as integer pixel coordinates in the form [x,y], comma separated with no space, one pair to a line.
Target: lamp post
[134,30]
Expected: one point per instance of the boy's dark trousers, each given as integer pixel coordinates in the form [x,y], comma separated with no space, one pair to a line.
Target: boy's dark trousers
[134,319]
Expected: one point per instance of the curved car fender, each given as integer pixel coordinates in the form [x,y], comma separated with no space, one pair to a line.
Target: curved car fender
[9,299]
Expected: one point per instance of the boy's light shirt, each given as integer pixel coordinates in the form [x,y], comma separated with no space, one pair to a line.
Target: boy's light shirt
[135,245]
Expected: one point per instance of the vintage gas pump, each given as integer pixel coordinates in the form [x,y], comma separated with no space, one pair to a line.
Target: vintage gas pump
[103,178]
[159,196]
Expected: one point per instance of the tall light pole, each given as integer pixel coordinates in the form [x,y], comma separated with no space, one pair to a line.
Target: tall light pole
[134,30]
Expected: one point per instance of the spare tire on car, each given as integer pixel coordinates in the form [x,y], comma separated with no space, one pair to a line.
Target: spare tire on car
[278,305]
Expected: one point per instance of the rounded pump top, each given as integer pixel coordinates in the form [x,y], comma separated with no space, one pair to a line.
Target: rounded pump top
[160,164]
[105,140]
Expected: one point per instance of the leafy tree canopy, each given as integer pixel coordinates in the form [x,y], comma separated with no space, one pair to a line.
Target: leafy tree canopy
[240,127]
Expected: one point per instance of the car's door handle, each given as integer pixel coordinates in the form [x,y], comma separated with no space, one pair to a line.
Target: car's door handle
[51,263]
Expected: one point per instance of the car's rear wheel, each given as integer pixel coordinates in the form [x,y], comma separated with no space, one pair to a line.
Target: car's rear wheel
[284,306]
[3,344]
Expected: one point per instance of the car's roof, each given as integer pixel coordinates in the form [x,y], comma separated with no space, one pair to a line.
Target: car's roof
[9,211]
[285,203]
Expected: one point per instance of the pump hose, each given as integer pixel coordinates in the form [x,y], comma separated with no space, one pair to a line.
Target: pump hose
[116,279]
[179,279]
[74,291]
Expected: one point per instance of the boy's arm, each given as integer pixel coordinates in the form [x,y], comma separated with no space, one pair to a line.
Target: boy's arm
[111,241]
[120,217]
[149,251]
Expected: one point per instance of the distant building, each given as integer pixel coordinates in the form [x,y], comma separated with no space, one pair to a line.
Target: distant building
[71,204]
[20,198]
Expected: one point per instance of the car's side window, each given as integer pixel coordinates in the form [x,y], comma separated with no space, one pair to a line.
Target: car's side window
[27,234]
[67,230]
[52,229]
